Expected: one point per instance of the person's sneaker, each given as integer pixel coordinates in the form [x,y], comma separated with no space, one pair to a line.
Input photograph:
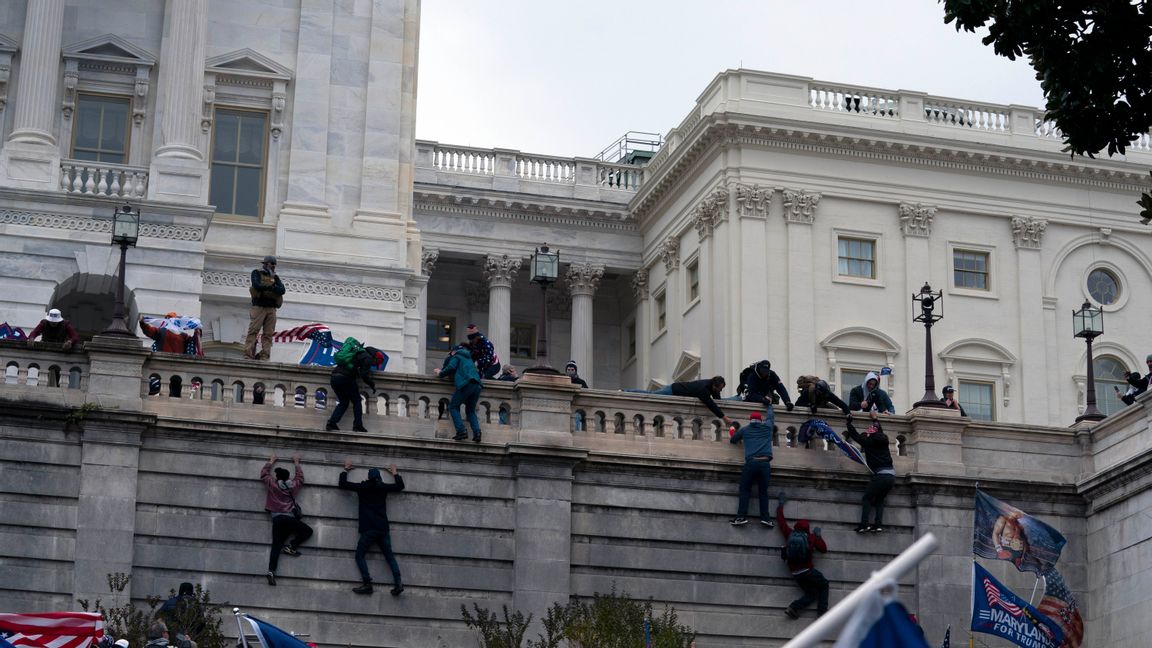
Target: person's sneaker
[475,438]
[768,523]
[331,426]
[790,613]
[291,551]
[460,437]
[876,528]
[739,521]
[398,590]
[271,579]
[366,588]
[863,529]
[359,428]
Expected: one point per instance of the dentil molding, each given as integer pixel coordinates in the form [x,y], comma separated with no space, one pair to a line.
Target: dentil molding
[98,225]
[308,286]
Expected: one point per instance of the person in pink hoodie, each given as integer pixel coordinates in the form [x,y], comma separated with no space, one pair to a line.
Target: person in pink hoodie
[280,503]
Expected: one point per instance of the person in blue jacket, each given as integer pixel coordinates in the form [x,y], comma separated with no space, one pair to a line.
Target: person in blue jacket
[460,367]
[757,439]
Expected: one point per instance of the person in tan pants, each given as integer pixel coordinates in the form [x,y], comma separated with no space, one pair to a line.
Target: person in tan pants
[267,295]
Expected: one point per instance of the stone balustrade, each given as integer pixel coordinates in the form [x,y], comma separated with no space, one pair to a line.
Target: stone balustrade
[103,179]
[43,367]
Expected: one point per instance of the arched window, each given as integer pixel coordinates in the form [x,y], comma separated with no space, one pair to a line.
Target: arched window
[1109,373]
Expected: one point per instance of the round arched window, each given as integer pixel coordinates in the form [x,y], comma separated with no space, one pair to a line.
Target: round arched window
[1103,286]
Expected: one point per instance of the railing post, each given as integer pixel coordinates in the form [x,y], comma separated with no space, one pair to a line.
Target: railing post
[1023,120]
[587,171]
[912,105]
[425,154]
[545,404]
[505,162]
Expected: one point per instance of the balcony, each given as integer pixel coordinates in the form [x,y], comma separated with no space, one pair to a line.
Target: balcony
[103,179]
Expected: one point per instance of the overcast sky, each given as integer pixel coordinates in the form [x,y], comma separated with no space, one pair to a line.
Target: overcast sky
[568,78]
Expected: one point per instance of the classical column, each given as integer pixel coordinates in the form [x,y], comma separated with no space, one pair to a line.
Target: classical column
[643,327]
[799,213]
[308,152]
[182,79]
[500,270]
[428,258]
[36,105]
[1038,387]
[583,279]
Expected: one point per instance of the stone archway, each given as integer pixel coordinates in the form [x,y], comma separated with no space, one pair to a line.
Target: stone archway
[87,300]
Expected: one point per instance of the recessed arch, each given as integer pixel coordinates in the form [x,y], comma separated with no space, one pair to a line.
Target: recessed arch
[1094,238]
[861,338]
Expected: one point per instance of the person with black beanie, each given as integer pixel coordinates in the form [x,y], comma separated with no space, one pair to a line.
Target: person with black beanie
[874,443]
[373,525]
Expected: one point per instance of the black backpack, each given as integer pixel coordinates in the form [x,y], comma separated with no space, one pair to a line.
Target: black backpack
[797,550]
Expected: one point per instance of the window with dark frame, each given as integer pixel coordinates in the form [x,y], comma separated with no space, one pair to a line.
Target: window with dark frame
[857,257]
[693,279]
[970,269]
[850,378]
[661,313]
[441,332]
[522,341]
[630,334]
[978,399]
[101,130]
[239,147]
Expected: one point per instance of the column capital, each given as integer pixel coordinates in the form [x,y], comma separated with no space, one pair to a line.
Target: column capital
[640,284]
[800,206]
[916,219]
[428,258]
[712,210]
[584,278]
[1028,231]
[501,269]
[753,201]
[669,252]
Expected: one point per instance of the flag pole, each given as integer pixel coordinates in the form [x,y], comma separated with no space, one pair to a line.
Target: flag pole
[1034,585]
[824,627]
[240,626]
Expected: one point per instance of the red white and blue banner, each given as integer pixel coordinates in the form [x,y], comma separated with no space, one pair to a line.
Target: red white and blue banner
[270,636]
[820,428]
[52,629]
[1004,532]
[996,610]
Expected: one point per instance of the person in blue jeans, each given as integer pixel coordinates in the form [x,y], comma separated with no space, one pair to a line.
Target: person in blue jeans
[373,525]
[459,367]
[757,439]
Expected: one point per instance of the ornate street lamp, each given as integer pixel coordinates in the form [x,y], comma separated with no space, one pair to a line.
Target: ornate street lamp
[1088,323]
[931,310]
[125,231]
[545,271]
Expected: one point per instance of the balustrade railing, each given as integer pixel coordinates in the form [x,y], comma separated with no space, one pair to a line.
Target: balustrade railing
[103,179]
[975,116]
[545,169]
[620,176]
[43,366]
[848,99]
[530,168]
[464,160]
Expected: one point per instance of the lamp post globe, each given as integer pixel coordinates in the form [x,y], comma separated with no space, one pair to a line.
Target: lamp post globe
[125,232]
[1088,323]
[928,307]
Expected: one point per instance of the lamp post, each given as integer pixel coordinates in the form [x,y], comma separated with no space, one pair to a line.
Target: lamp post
[125,231]
[545,271]
[1088,323]
[926,302]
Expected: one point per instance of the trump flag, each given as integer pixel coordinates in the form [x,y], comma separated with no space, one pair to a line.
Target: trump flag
[1004,532]
[997,611]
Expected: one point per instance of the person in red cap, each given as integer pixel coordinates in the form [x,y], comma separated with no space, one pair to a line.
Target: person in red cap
[757,439]
[798,550]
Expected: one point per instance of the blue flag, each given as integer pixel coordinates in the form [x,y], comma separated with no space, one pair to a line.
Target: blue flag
[997,611]
[1004,532]
[820,428]
[881,622]
[272,637]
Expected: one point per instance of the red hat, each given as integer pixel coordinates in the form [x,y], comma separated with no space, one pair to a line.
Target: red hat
[755,416]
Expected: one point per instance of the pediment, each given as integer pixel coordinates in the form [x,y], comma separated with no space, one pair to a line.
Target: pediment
[8,44]
[978,350]
[861,338]
[109,47]
[687,367]
[248,62]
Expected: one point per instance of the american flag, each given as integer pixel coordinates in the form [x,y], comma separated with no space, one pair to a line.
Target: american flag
[1060,606]
[314,331]
[947,637]
[52,629]
[993,593]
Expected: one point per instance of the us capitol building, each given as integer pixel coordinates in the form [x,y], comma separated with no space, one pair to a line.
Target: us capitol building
[783,218]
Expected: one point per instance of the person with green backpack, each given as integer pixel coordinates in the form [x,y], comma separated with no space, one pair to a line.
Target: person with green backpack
[460,367]
[353,360]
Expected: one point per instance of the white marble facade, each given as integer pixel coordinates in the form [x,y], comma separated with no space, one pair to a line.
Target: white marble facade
[722,250]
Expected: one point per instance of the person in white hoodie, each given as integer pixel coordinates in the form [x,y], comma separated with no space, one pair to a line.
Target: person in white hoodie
[868,396]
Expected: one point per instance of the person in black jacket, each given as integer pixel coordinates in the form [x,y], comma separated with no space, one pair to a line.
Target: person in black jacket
[815,393]
[347,390]
[1137,385]
[757,384]
[949,400]
[874,443]
[707,390]
[267,293]
[573,372]
[373,511]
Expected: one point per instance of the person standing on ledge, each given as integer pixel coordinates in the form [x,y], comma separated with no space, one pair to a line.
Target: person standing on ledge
[267,293]
[460,368]
[373,526]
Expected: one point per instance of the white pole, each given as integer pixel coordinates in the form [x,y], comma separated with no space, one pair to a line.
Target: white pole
[1033,590]
[243,640]
[825,627]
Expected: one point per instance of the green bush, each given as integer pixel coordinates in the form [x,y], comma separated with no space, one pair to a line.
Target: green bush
[195,616]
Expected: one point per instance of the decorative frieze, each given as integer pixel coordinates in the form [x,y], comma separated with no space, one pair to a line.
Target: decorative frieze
[640,284]
[800,206]
[669,252]
[753,201]
[308,286]
[501,269]
[411,301]
[916,219]
[1028,231]
[584,278]
[428,258]
[100,225]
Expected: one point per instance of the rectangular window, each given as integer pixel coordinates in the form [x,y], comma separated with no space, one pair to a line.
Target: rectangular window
[522,341]
[441,332]
[850,378]
[661,313]
[970,269]
[100,133]
[977,400]
[630,336]
[238,160]
[693,279]
[857,257]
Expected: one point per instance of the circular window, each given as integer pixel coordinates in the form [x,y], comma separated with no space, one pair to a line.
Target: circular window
[1103,286]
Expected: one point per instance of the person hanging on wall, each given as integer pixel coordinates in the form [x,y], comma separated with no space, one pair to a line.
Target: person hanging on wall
[706,389]
[879,459]
[799,548]
[54,329]
[288,528]
[267,293]
[372,495]
[757,439]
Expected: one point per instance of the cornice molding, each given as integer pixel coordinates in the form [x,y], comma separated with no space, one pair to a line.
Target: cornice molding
[529,211]
[97,225]
[308,286]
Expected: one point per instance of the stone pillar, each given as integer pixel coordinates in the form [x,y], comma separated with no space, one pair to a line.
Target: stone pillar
[800,212]
[179,171]
[706,217]
[643,328]
[500,271]
[1037,391]
[583,279]
[428,258]
[31,156]
[748,239]
[916,225]
[308,152]
[674,310]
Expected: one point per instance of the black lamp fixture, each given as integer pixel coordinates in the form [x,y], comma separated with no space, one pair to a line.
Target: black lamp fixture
[928,307]
[545,271]
[1088,323]
[125,232]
